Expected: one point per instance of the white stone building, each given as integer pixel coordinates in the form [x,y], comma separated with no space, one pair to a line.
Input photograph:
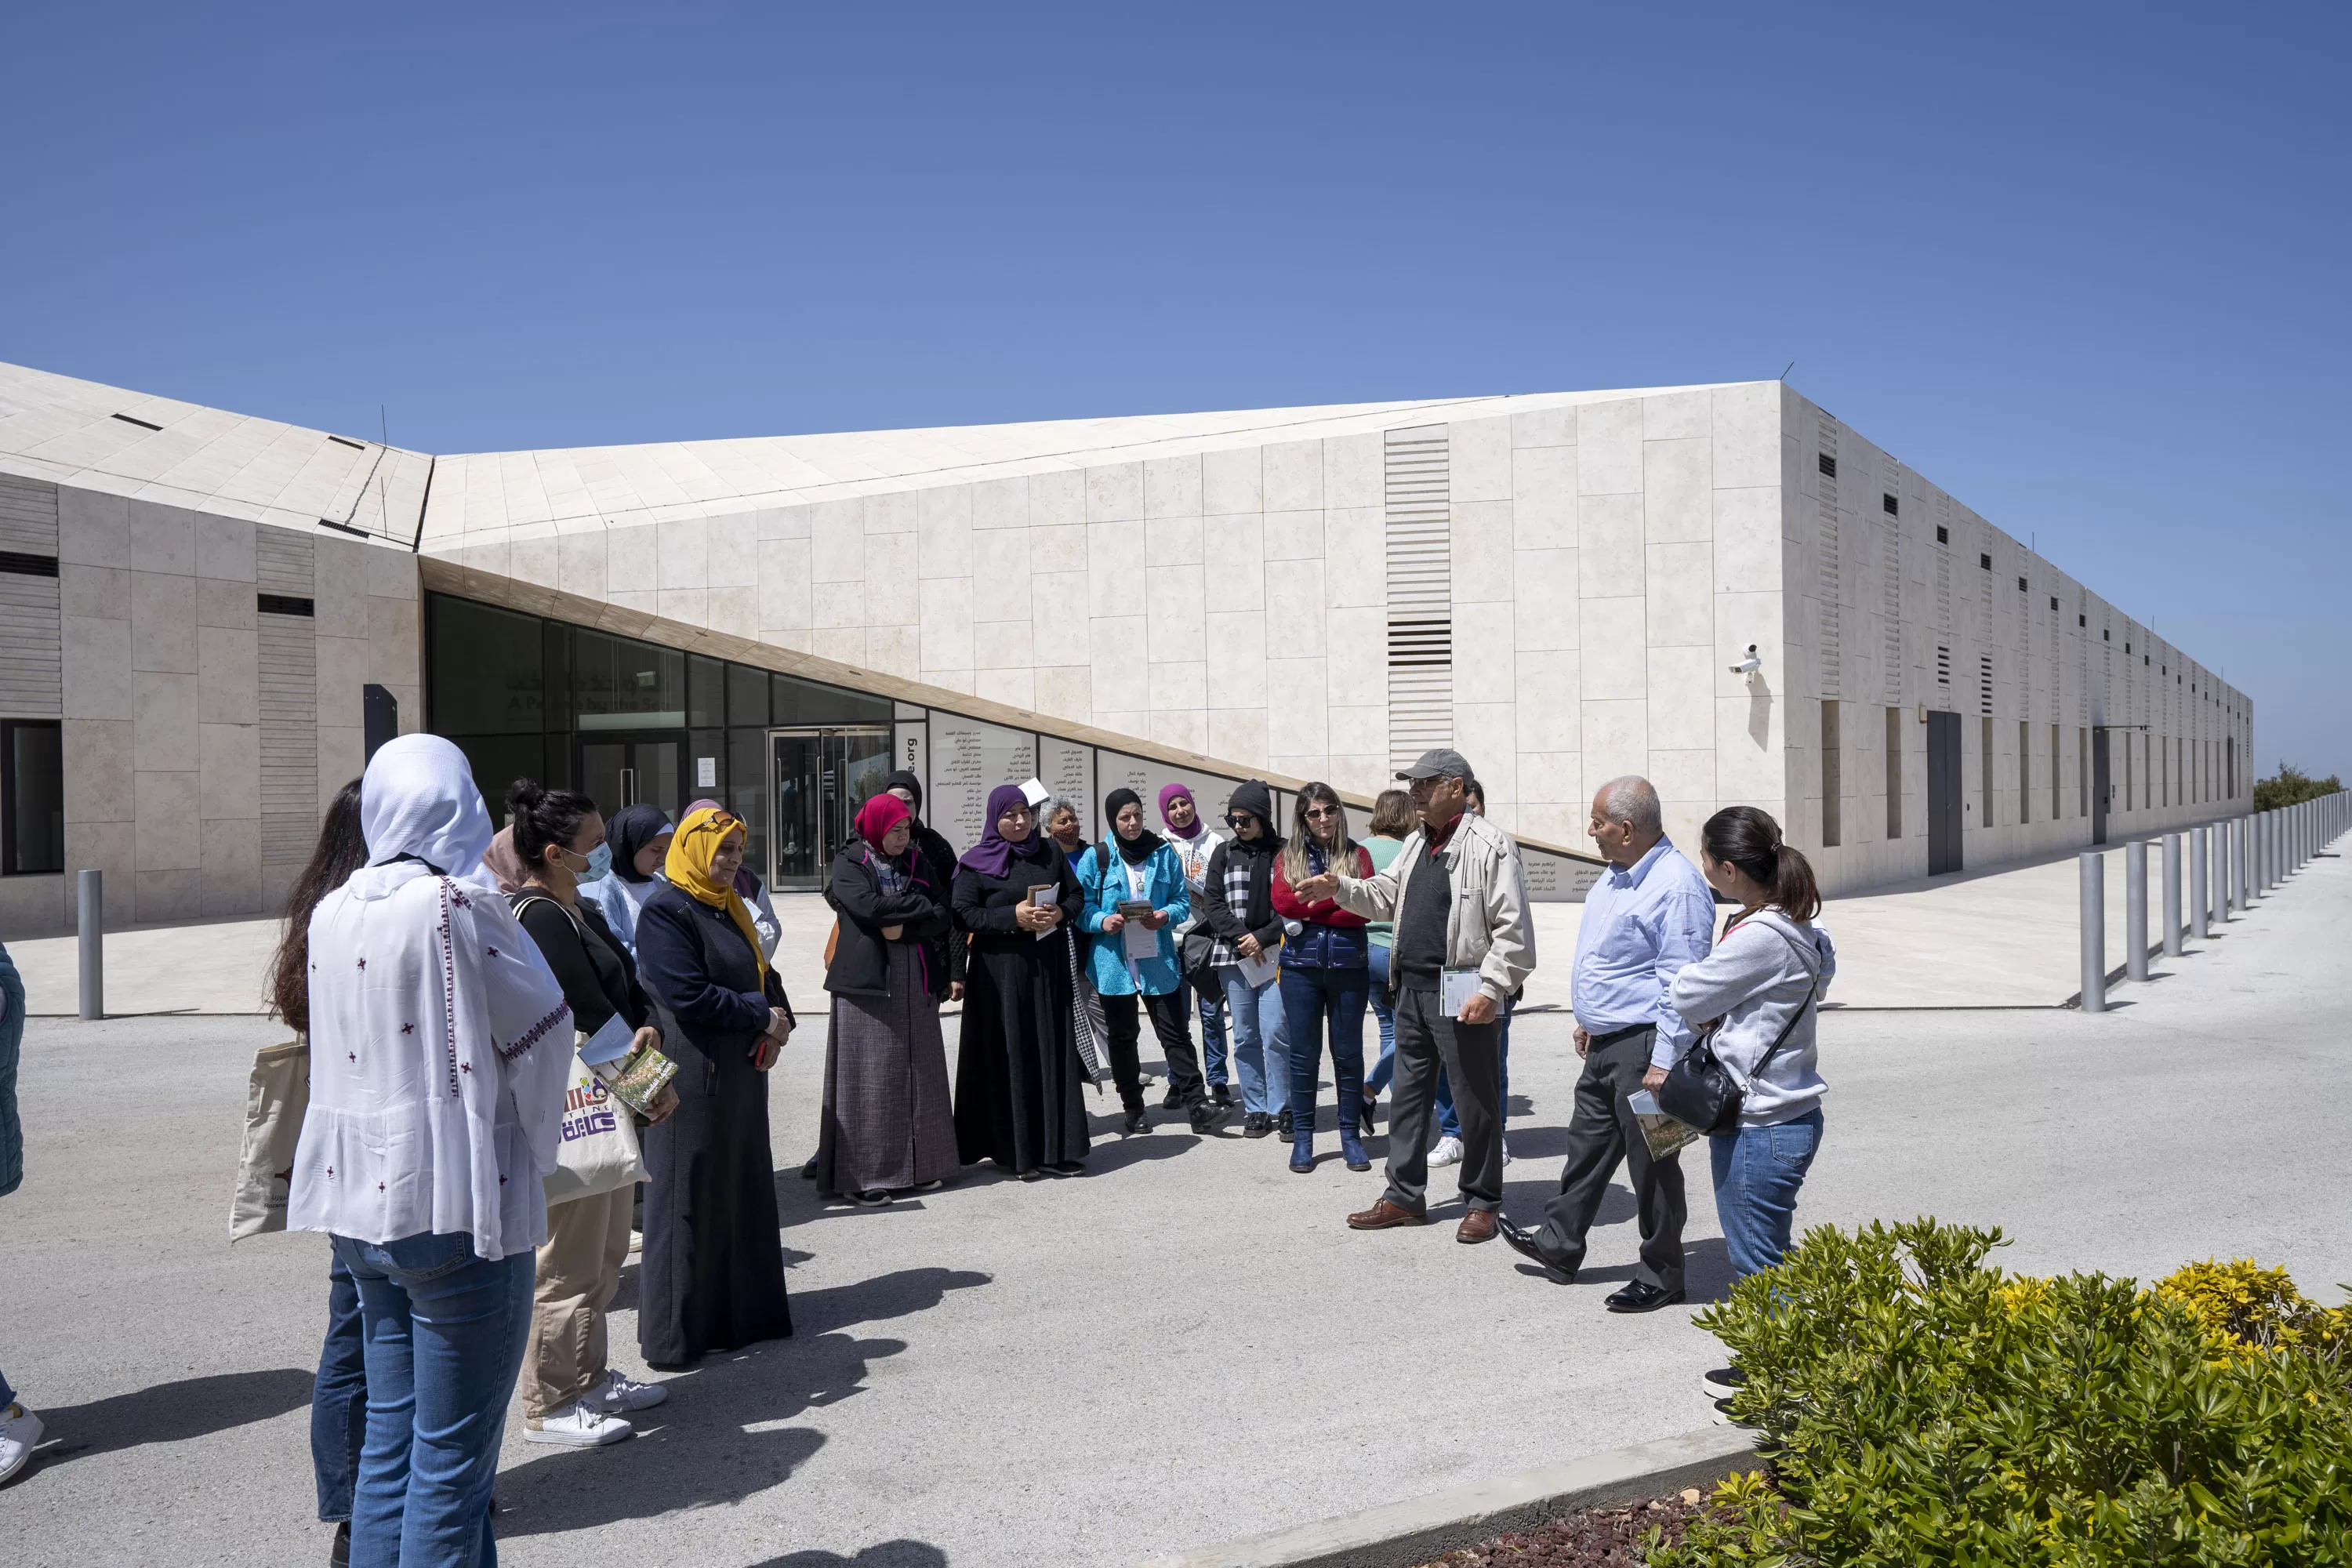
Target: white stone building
[1559,585]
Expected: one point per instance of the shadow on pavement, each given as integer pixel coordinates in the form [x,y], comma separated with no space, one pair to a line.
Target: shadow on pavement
[1706,1271]
[882,1554]
[898,1295]
[174,1411]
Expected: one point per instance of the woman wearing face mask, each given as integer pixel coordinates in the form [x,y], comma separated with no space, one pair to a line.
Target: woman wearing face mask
[886,1124]
[1135,867]
[713,1271]
[1239,903]
[570,1394]
[1017,1067]
[1326,973]
[1194,841]
[638,836]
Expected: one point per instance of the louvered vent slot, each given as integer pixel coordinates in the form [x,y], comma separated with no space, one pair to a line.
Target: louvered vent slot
[1890,605]
[1418,494]
[289,702]
[31,669]
[1984,682]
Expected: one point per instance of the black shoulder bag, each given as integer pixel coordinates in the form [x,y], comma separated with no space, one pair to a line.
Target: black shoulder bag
[1700,1092]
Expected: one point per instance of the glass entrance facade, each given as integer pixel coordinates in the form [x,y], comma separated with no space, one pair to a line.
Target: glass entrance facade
[623,721]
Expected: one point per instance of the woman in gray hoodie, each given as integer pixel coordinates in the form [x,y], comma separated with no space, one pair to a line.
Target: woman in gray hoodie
[1759,988]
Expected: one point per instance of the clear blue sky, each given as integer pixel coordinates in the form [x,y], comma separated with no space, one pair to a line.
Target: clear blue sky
[2083,266]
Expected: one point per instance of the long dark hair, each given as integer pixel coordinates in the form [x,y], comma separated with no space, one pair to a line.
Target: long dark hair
[542,817]
[342,849]
[1744,836]
[1294,855]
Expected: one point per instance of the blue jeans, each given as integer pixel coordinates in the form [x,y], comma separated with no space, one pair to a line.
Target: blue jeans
[1212,1038]
[339,1398]
[1448,1124]
[1757,1171]
[8,1394]
[1309,996]
[1261,1040]
[446,1332]
[1378,1079]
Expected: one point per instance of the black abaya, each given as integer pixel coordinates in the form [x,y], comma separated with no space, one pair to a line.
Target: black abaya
[1018,1076]
[712,1276]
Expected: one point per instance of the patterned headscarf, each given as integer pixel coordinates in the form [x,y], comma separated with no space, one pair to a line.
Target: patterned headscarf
[689,869]
[747,881]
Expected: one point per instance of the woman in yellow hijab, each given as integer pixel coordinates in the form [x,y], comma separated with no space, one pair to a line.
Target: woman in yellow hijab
[713,1272]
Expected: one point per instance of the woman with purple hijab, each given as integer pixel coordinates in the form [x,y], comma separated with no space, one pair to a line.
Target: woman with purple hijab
[1017,1067]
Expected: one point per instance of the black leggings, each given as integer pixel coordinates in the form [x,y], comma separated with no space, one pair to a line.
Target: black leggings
[1172,1020]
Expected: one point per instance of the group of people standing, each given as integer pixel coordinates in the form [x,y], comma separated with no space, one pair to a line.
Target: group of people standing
[444,975]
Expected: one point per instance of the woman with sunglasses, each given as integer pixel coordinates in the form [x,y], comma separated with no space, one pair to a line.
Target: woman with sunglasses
[1326,967]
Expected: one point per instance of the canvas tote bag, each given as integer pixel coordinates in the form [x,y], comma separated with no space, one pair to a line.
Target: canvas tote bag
[277,1097]
[599,1153]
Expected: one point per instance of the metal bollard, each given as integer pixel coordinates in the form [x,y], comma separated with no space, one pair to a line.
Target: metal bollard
[2241,861]
[2201,886]
[2172,895]
[2135,909]
[2224,887]
[2094,931]
[90,900]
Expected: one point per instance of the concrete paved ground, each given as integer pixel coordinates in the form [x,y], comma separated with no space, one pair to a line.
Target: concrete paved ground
[1183,1347]
[1997,939]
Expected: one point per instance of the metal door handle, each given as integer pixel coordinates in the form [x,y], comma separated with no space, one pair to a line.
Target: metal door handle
[629,787]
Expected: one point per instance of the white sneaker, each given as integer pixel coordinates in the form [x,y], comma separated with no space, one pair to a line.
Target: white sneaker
[20,1431]
[619,1394]
[577,1425]
[1507,1149]
[1447,1153]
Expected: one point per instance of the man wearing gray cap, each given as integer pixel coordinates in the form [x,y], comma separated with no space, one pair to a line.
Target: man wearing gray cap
[1459,901]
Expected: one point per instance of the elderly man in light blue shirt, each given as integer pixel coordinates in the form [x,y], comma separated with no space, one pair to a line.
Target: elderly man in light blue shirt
[1650,914]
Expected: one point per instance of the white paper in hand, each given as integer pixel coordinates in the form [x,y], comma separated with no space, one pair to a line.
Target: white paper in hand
[1455,987]
[609,1043]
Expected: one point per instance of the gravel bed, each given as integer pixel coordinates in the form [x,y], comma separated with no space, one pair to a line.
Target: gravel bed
[1607,1537]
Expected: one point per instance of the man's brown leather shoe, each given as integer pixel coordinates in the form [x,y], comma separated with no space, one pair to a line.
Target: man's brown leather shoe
[1476,1225]
[1384,1215]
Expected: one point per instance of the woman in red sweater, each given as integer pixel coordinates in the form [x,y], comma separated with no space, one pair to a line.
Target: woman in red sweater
[1326,973]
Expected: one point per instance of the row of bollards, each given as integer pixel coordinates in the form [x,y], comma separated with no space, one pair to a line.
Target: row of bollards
[2230,865]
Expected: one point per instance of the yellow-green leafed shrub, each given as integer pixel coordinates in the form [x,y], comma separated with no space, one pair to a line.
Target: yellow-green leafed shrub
[2243,1306]
[1920,1407]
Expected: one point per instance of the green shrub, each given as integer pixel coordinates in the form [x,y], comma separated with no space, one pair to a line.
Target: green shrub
[2292,787]
[1920,1407]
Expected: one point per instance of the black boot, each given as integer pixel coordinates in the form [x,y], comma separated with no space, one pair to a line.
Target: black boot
[1136,1121]
[1285,1125]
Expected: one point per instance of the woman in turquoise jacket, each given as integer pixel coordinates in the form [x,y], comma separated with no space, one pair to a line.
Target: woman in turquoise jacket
[1136,867]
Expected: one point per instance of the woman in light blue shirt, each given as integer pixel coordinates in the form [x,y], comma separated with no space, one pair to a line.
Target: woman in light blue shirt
[1134,866]
[639,836]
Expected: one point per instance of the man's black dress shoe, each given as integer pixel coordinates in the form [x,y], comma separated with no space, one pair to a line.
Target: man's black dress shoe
[1641,1296]
[1523,1242]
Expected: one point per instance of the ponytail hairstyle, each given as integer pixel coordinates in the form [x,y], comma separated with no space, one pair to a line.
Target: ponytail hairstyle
[1744,836]
[1294,854]
[342,849]
[542,817]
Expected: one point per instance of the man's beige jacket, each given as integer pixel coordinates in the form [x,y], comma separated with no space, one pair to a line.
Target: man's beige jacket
[1486,929]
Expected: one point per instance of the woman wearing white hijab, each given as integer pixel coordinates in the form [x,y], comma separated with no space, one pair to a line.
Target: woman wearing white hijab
[439,1047]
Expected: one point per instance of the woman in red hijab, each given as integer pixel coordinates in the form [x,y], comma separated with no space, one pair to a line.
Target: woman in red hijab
[887,1125]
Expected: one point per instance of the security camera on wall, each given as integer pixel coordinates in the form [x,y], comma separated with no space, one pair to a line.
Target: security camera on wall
[1750,665]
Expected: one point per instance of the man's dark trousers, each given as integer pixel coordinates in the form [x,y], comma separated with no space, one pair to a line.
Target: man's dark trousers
[1472,1055]
[1601,1132]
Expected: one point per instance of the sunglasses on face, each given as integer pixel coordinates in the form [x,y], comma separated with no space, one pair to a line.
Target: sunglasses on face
[1240,819]
[1316,813]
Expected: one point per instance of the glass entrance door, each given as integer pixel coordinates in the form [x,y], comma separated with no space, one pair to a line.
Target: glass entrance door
[629,770]
[820,778]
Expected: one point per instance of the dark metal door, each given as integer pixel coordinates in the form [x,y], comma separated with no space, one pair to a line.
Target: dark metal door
[1943,793]
[822,777]
[631,770]
[2099,786]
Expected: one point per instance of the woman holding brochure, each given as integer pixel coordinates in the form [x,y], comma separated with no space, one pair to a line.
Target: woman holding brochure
[1017,1066]
[1134,898]
[570,1394]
